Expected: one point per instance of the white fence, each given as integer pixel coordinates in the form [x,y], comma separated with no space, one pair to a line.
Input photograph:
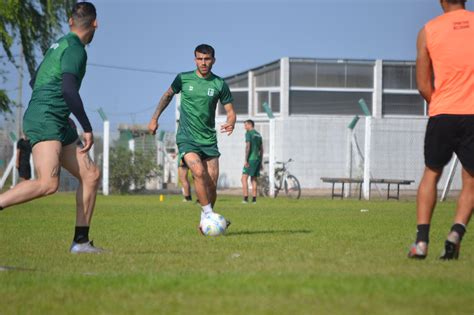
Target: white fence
[319,147]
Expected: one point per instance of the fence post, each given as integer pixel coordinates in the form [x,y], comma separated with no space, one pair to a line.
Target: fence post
[105,154]
[271,153]
[350,134]
[367,148]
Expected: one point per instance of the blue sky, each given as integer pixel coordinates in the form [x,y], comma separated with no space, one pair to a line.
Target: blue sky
[161,35]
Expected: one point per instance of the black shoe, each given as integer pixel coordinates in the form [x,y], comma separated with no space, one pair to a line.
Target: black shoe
[451,250]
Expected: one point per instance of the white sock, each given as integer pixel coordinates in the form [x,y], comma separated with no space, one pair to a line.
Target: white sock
[206,210]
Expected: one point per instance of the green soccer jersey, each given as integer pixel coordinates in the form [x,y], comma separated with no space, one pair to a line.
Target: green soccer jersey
[199,97]
[67,55]
[255,140]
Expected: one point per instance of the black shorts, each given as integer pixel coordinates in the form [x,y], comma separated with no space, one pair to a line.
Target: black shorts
[24,171]
[448,134]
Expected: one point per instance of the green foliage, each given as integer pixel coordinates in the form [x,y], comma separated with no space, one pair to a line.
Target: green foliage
[32,23]
[128,169]
[4,101]
[310,256]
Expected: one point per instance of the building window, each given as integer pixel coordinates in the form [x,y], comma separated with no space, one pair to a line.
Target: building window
[399,77]
[325,74]
[328,102]
[400,94]
[240,103]
[269,76]
[403,104]
[272,98]
[238,81]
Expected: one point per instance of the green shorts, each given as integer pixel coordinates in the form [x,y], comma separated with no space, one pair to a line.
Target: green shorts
[38,131]
[253,169]
[204,151]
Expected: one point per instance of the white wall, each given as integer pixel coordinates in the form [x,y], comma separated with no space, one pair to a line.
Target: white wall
[318,146]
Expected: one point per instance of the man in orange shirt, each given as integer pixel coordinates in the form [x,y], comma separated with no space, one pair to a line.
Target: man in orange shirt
[446,52]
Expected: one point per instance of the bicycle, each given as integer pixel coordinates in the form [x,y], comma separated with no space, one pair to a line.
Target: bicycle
[284,180]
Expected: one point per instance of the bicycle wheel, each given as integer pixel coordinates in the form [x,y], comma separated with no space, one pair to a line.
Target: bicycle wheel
[263,186]
[292,187]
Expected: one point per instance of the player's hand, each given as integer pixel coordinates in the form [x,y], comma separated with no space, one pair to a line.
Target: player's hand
[153,126]
[247,164]
[227,128]
[88,142]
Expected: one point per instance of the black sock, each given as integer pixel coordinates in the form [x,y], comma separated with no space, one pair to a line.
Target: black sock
[460,229]
[81,234]
[1,208]
[423,233]
[246,198]
[188,198]
[254,199]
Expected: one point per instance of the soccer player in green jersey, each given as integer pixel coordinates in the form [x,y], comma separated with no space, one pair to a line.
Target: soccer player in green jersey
[253,160]
[53,138]
[196,137]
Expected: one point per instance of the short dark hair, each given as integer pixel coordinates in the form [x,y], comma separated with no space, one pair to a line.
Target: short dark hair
[250,121]
[204,49]
[83,14]
[456,1]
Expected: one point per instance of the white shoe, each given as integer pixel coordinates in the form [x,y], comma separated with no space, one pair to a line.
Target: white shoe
[85,248]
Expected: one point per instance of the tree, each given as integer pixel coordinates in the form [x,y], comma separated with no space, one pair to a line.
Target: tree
[33,24]
[129,169]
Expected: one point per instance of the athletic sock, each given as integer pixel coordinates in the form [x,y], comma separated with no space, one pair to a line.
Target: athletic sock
[189,198]
[460,230]
[1,208]
[81,234]
[246,198]
[206,210]
[423,233]
[254,199]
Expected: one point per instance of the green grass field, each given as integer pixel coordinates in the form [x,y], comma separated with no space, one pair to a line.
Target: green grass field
[312,256]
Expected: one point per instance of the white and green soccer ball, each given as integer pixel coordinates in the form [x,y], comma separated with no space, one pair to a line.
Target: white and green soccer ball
[213,224]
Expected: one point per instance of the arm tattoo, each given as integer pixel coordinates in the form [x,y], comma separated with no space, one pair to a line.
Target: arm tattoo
[56,171]
[164,102]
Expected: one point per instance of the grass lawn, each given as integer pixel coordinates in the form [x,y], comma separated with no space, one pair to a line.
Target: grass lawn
[311,256]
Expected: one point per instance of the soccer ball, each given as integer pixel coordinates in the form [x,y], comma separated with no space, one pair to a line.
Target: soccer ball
[213,224]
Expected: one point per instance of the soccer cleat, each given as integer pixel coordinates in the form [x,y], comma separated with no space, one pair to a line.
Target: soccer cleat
[451,250]
[85,248]
[418,250]
[245,202]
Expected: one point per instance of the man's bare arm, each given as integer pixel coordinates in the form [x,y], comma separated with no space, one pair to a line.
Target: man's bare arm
[228,127]
[164,102]
[424,68]
[247,153]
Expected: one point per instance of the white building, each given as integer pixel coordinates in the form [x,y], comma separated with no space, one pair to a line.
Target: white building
[314,100]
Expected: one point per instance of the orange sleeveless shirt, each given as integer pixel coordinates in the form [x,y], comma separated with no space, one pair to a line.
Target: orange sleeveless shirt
[450,43]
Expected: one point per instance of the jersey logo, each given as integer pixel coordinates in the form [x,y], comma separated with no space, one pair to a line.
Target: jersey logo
[191,87]
[210,92]
[54,46]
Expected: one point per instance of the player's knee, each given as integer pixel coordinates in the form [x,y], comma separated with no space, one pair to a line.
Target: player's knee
[49,187]
[199,173]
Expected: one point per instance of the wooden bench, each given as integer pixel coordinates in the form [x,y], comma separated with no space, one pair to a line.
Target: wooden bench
[343,181]
[359,181]
[389,182]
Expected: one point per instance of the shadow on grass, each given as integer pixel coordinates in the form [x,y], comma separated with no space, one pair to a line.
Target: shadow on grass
[282,232]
